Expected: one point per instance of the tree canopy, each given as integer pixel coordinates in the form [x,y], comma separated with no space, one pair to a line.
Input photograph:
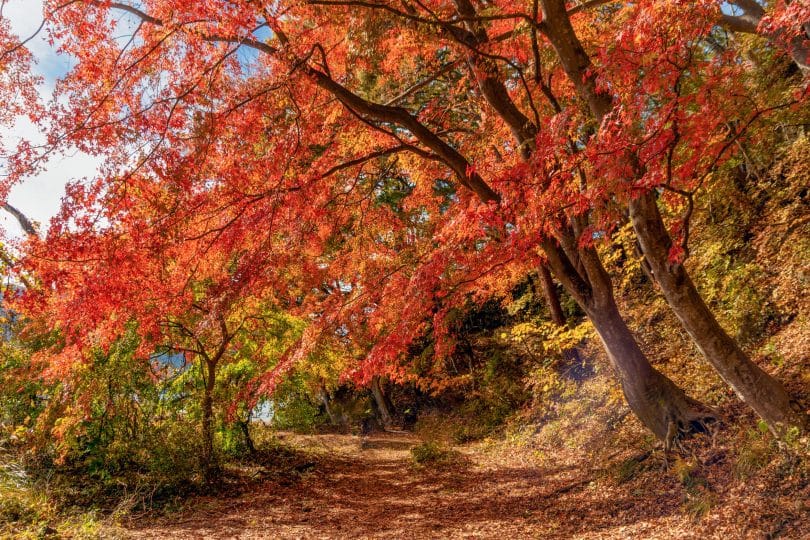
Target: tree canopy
[370,166]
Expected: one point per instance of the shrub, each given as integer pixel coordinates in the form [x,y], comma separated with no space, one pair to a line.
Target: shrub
[755,452]
[429,452]
[699,504]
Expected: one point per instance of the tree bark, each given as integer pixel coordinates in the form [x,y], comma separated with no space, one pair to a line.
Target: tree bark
[658,403]
[754,386]
[208,462]
[555,309]
[382,401]
[551,296]
[244,425]
[324,397]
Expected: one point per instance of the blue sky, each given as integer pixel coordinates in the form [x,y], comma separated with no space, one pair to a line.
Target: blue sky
[39,197]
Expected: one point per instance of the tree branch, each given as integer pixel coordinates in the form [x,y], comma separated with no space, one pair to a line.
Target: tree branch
[588,5]
[740,23]
[368,157]
[421,84]
[134,11]
[22,219]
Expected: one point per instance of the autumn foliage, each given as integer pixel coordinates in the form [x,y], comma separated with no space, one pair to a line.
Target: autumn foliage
[372,167]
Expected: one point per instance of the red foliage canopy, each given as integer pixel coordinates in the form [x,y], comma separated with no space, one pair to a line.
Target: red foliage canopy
[339,158]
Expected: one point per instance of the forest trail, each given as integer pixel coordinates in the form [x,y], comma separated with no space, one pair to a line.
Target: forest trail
[371,489]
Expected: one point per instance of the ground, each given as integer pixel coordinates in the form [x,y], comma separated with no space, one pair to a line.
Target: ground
[345,486]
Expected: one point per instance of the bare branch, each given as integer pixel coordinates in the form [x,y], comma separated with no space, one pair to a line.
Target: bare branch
[22,219]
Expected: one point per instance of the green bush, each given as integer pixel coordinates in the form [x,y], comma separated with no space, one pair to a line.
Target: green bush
[296,413]
[429,452]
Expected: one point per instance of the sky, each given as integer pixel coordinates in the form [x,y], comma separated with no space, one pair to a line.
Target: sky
[39,197]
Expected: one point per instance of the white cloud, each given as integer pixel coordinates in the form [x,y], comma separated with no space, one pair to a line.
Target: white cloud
[39,197]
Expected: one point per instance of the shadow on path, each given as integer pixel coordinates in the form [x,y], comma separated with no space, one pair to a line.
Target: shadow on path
[375,492]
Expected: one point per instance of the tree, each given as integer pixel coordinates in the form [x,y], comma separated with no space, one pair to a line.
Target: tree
[242,135]
[758,389]
[107,279]
[750,17]
[655,399]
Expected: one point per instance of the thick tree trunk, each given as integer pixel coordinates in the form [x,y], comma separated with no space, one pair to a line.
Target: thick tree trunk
[660,405]
[383,404]
[754,386]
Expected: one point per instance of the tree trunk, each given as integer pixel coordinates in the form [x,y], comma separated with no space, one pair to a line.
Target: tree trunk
[551,296]
[763,393]
[754,386]
[660,405]
[555,309]
[210,470]
[244,425]
[324,397]
[383,404]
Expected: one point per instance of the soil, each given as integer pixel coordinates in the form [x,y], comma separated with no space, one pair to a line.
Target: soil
[345,486]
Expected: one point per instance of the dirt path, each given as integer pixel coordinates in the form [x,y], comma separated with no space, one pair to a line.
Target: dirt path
[373,491]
